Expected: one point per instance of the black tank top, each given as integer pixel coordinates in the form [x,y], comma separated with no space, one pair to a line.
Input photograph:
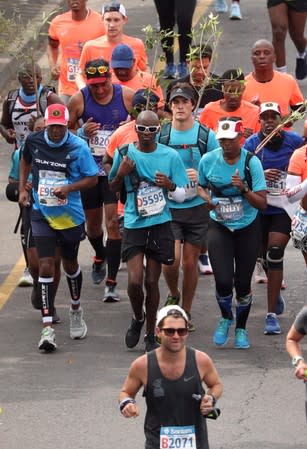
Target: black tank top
[170,402]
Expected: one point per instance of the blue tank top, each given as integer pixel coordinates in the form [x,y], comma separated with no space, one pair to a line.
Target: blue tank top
[109,116]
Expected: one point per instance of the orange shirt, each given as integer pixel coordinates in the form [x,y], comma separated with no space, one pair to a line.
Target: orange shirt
[248,112]
[282,89]
[298,163]
[72,35]
[142,80]
[102,48]
[123,135]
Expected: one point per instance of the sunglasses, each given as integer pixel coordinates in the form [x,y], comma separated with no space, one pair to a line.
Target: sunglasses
[91,70]
[170,331]
[113,7]
[149,129]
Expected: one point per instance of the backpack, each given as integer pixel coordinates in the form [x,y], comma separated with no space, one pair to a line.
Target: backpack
[202,138]
[247,176]
[133,176]
[13,95]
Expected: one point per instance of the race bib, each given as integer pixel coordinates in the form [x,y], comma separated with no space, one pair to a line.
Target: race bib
[48,181]
[72,68]
[277,187]
[299,224]
[98,143]
[229,209]
[150,200]
[191,190]
[182,437]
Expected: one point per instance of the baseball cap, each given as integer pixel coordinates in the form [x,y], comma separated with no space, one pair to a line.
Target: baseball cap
[169,311]
[114,7]
[56,114]
[229,129]
[270,106]
[141,95]
[122,57]
[96,70]
[182,92]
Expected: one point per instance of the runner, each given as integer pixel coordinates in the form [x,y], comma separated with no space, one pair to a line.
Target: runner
[114,18]
[149,173]
[190,218]
[275,222]
[232,105]
[238,190]
[57,214]
[102,107]
[173,377]
[66,36]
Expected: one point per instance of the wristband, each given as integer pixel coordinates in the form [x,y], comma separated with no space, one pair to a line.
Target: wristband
[81,132]
[173,187]
[124,402]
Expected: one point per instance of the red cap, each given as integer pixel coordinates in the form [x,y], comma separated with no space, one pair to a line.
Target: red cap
[56,114]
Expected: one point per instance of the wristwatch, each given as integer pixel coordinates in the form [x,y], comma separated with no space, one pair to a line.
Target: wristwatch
[296,360]
[245,189]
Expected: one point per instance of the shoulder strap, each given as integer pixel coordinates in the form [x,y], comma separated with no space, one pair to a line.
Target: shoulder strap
[247,173]
[11,100]
[165,133]
[202,139]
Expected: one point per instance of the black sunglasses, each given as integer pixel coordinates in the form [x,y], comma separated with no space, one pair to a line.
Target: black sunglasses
[170,331]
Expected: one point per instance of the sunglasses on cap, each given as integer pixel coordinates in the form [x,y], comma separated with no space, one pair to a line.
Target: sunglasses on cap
[114,7]
[170,331]
[150,129]
[91,70]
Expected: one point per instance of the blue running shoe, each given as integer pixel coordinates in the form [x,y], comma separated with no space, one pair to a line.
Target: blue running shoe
[241,340]
[281,305]
[221,6]
[183,69]
[170,71]
[220,337]
[272,326]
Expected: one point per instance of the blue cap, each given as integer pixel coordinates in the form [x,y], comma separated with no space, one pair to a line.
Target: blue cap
[122,57]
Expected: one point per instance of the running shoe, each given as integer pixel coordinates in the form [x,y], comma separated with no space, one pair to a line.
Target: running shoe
[98,271]
[220,337]
[272,326]
[301,68]
[78,328]
[170,71]
[133,333]
[191,326]
[260,276]
[150,342]
[47,340]
[26,279]
[182,69]
[35,296]
[111,294]
[281,305]
[235,12]
[241,339]
[172,300]
[221,6]
[204,265]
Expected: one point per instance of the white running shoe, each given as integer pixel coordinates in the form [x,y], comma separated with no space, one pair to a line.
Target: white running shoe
[235,12]
[111,294]
[204,265]
[78,328]
[26,279]
[221,6]
[47,340]
[260,275]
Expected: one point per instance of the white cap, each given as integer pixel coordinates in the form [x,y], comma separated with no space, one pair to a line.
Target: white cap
[114,7]
[169,311]
[270,106]
[229,129]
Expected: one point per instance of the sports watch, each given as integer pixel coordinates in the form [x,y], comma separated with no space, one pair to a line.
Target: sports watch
[296,360]
[245,189]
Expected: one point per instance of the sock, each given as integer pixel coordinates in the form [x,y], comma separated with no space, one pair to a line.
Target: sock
[113,250]
[225,303]
[243,305]
[98,246]
[282,69]
[301,55]
[74,282]
[45,289]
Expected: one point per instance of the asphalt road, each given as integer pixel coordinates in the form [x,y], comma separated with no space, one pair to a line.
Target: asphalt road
[68,399]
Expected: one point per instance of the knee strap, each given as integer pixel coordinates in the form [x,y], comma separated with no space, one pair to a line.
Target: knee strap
[275,257]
